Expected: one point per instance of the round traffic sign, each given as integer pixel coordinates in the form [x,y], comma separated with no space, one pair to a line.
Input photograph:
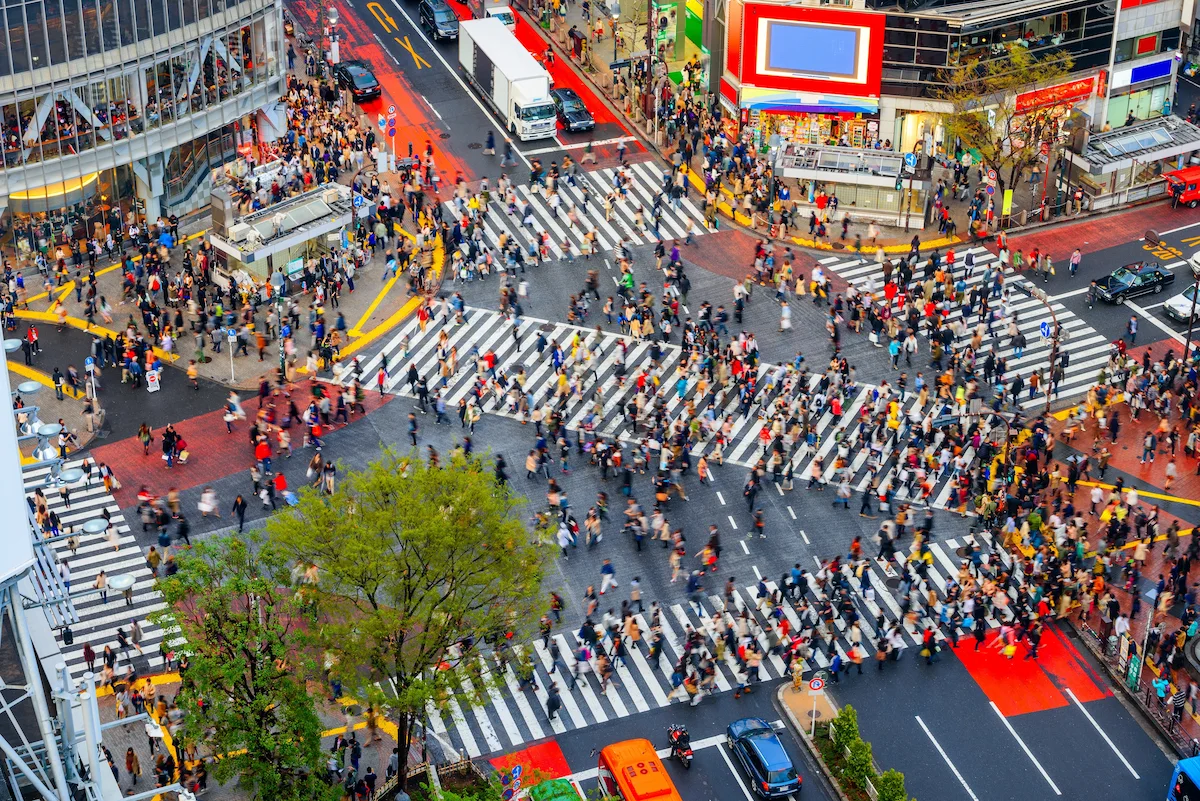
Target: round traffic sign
[391,110]
[516,771]
[991,190]
[391,131]
[991,175]
[816,684]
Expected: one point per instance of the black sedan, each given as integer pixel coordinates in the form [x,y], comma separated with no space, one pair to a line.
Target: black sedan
[358,78]
[763,757]
[1139,278]
[572,114]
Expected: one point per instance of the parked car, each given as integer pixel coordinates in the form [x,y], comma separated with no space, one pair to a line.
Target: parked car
[572,114]
[1139,278]
[358,78]
[438,19]
[763,757]
[1179,308]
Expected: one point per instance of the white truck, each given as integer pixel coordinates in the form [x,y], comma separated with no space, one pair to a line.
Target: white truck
[508,77]
[487,9]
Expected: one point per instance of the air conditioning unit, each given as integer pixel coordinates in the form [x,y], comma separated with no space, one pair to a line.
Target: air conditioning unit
[331,195]
[238,232]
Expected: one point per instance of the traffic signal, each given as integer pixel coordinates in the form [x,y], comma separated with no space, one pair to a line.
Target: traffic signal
[899,182]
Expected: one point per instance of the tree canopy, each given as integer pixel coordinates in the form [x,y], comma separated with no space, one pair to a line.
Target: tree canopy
[986,120]
[243,695]
[410,560]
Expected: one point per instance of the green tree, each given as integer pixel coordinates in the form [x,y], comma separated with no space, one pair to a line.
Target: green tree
[230,601]
[845,727]
[984,115]
[860,765]
[410,560]
[890,786]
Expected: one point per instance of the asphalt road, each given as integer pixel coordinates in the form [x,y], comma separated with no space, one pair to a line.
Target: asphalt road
[714,774]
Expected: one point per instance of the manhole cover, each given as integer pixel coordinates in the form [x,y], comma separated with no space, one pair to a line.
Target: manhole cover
[838,246]
[475,146]
[443,136]
[892,583]
[963,551]
[814,713]
[354,709]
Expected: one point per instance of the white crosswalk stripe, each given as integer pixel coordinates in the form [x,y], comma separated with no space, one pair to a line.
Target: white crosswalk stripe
[484,331]
[99,620]
[504,715]
[645,185]
[1089,350]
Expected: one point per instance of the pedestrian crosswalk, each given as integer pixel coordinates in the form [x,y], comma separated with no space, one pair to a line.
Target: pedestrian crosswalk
[1089,351]
[610,366]
[117,554]
[568,219]
[502,714]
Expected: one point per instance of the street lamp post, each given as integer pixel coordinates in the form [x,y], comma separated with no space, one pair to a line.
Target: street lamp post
[278,286]
[1194,264]
[1056,334]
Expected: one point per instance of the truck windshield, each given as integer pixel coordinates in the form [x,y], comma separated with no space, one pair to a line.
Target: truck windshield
[504,16]
[543,112]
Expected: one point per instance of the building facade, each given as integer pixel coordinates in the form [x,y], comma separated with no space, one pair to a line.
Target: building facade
[113,108]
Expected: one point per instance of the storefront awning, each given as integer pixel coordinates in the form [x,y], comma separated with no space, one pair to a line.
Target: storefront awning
[1143,143]
[757,99]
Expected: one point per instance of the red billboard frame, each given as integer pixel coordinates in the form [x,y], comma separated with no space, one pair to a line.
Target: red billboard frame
[747,46]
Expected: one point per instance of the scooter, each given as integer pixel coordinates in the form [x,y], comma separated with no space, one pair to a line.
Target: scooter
[680,743]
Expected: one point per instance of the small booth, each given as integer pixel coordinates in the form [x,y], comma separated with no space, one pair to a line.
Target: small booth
[1127,164]
[864,181]
[286,235]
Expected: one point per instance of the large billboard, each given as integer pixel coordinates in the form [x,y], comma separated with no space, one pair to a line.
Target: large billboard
[16,539]
[806,49]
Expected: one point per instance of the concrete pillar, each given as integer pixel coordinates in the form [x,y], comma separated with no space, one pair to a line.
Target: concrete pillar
[149,180]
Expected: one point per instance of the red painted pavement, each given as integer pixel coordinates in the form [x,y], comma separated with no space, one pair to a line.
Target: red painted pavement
[415,121]
[1103,232]
[543,760]
[214,454]
[1019,686]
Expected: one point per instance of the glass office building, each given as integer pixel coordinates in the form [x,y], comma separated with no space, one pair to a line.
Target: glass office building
[111,108]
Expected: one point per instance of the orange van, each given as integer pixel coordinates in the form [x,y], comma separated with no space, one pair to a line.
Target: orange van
[631,770]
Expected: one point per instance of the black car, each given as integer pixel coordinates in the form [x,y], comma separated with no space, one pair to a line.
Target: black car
[358,78]
[1139,278]
[572,114]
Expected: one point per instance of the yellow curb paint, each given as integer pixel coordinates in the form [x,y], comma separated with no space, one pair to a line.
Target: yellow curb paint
[742,219]
[1158,496]
[439,260]
[356,331]
[82,325]
[37,375]
[117,266]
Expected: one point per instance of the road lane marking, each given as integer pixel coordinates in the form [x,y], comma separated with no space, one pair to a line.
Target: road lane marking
[1070,294]
[950,764]
[720,497]
[432,107]
[745,548]
[1143,315]
[454,73]
[732,523]
[736,777]
[757,574]
[805,536]
[1025,748]
[412,51]
[792,512]
[580,145]
[1092,720]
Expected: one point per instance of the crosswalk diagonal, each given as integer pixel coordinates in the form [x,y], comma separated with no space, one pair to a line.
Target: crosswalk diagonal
[116,554]
[505,714]
[1089,350]
[608,368]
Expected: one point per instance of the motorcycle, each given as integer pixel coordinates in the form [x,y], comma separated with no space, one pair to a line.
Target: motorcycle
[680,743]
